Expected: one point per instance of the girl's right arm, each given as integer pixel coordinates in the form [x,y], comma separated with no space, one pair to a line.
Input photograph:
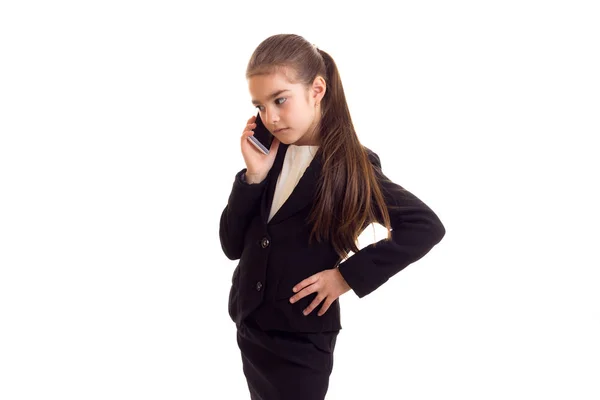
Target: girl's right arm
[243,202]
[242,206]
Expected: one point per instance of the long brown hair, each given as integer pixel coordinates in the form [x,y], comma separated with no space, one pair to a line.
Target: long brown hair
[348,196]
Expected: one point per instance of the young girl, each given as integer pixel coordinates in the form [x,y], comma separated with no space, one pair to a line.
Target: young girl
[294,215]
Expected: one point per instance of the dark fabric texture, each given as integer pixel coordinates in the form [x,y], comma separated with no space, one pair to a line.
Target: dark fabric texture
[275,255]
[281,365]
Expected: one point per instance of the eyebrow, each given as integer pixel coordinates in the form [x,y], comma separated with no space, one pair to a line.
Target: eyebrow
[272,95]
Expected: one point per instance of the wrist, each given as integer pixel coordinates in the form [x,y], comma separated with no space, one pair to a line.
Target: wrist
[252,178]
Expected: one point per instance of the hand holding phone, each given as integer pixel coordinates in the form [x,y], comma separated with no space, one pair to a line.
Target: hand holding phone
[258,160]
[262,138]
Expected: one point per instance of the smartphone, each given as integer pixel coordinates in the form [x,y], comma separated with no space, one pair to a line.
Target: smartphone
[262,138]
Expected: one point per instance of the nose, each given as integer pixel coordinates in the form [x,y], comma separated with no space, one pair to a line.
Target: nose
[272,116]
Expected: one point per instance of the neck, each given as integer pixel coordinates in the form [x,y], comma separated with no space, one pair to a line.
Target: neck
[311,138]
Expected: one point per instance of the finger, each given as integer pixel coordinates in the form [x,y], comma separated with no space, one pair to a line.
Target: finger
[308,281]
[245,135]
[250,124]
[325,306]
[248,132]
[313,304]
[303,293]
[249,128]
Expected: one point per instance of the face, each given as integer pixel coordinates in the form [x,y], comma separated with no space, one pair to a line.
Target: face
[288,105]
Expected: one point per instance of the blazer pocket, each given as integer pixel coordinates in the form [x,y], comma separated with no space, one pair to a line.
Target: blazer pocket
[284,293]
[297,308]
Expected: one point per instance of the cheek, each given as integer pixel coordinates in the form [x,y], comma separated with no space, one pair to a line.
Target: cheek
[296,115]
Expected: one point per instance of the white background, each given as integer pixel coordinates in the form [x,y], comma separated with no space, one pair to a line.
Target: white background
[120,124]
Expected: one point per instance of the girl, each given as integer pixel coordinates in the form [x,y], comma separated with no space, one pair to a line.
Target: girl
[294,215]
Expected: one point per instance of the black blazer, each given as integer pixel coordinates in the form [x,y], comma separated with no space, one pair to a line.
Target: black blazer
[275,256]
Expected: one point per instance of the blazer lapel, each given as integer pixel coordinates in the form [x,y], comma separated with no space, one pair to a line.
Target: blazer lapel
[302,195]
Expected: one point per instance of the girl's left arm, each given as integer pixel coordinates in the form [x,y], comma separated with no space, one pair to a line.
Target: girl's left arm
[415,230]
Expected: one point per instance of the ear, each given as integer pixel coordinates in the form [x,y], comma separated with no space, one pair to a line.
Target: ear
[319,87]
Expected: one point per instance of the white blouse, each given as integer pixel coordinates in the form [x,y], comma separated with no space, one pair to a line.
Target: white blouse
[297,159]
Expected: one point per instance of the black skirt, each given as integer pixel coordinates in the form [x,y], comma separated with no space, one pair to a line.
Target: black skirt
[281,365]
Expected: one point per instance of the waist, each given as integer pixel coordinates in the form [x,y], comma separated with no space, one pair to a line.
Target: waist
[281,315]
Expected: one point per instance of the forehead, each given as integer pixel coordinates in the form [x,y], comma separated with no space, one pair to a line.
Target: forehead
[261,86]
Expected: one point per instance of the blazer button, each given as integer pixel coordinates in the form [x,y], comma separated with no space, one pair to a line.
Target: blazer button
[258,286]
[264,243]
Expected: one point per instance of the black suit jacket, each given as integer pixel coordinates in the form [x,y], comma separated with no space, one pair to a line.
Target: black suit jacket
[275,256]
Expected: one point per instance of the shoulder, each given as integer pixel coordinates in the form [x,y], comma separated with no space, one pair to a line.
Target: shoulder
[373,157]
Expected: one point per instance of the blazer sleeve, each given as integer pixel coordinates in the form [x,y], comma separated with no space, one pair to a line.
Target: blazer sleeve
[415,230]
[242,205]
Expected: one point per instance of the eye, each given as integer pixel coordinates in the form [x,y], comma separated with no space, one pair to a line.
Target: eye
[276,102]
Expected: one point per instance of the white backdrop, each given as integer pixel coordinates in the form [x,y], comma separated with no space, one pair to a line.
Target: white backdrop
[120,124]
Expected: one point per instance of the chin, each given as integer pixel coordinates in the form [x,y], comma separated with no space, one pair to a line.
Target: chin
[287,140]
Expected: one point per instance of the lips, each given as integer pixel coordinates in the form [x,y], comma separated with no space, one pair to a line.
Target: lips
[280,129]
